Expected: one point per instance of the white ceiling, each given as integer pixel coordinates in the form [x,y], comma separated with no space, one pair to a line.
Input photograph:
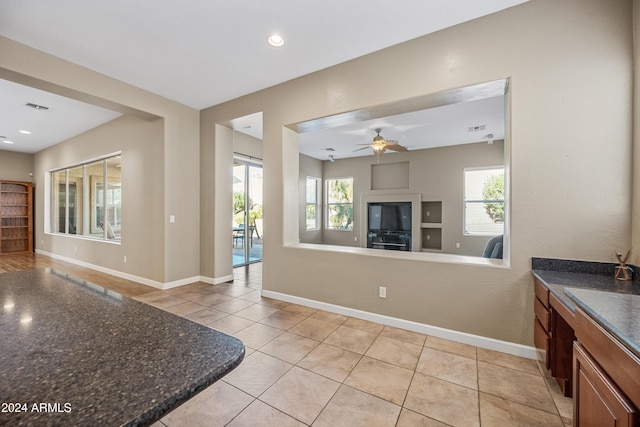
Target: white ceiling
[202,53]
[435,127]
[63,119]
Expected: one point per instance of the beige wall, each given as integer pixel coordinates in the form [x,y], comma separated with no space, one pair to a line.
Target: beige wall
[216,172]
[310,167]
[570,65]
[436,174]
[247,146]
[635,257]
[178,149]
[142,196]
[16,166]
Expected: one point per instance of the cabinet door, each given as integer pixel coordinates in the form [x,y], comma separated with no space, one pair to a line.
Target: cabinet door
[597,401]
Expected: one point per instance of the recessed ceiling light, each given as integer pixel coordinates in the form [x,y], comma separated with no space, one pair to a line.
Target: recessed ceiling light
[26,132]
[6,141]
[276,40]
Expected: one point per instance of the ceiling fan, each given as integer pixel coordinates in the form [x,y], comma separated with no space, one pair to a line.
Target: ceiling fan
[380,145]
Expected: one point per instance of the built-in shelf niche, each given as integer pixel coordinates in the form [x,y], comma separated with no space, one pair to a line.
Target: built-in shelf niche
[431,225]
[432,212]
[426,231]
[432,239]
[416,207]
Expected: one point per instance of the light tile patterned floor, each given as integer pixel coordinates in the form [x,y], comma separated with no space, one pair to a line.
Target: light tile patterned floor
[309,367]
[306,367]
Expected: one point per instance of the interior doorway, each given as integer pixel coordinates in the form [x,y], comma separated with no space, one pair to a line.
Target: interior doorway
[247,212]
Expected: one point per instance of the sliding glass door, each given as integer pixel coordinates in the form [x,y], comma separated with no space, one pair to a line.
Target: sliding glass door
[247,212]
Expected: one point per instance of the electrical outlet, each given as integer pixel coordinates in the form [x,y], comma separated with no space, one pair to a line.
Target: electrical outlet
[382,292]
[457,245]
[125,259]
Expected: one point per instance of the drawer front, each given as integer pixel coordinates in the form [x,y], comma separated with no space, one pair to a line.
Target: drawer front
[542,292]
[562,309]
[542,342]
[542,314]
[618,362]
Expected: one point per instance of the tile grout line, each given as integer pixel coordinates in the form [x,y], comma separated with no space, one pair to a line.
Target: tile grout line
[362,355]
[132,290]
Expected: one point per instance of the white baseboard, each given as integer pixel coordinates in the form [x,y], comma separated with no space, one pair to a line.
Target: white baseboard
[216,280]
[127,276]
[461,337]
[181,282]
[133,278]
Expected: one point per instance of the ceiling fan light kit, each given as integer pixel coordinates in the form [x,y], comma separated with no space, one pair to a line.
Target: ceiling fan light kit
[380,145]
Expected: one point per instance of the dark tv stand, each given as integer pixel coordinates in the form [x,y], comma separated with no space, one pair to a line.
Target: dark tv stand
[389,240]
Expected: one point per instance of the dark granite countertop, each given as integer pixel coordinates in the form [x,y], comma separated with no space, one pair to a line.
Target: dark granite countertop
[73,353]
[614,304]
[557,281]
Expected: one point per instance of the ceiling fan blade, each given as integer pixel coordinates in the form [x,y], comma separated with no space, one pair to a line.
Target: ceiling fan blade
[395,147]
[360,149]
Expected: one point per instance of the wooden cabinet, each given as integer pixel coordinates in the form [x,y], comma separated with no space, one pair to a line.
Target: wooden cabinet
[542,322]
[601,370]
[16,223]
[607,377]
[554,336]
[597,400]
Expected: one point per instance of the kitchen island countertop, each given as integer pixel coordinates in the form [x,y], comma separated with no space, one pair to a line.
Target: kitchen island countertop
[74,353]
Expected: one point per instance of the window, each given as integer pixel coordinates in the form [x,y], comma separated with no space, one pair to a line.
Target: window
[312,203]
[86,199]
[484,201]
[340,204]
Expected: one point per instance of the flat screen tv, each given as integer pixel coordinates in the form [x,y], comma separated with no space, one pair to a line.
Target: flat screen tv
[390,216]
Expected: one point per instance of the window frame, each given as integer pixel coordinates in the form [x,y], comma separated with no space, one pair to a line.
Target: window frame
[87,198]
[465,201]
[329,204]
[315,204]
